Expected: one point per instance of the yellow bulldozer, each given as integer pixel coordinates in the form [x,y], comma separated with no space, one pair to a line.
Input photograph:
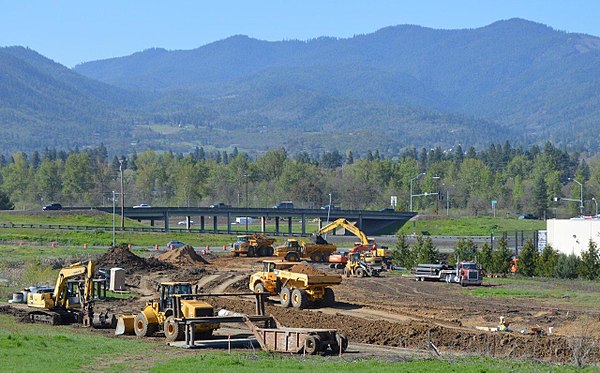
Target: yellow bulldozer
[166,313]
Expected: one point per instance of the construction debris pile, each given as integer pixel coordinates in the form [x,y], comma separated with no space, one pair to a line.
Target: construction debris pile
[184,256]
[120,256]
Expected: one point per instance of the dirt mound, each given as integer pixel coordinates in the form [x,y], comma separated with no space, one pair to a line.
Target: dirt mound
[120,256]
[184,256]
[306,269]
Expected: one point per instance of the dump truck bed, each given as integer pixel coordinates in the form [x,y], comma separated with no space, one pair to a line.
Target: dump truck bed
[309,279]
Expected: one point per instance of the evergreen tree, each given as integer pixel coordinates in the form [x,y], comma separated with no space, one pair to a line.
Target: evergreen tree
[5,203]
[546,262]
[402,255]
[486,259]
[566,266]
[349,157]
[590,260]
[540,192]
[424,251]
[465,250]
[528,259]
[502,257]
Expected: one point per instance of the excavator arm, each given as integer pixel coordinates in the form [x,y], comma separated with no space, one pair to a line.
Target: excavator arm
[69,272]
[341,222]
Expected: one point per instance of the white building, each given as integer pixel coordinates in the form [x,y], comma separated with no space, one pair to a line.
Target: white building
[572,236]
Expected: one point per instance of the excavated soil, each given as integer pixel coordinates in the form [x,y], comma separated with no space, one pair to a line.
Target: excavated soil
[306,269]
[120,256]
[184,256]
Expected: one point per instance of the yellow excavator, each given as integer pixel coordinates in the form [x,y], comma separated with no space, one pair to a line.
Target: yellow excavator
[66,304]
[367,248]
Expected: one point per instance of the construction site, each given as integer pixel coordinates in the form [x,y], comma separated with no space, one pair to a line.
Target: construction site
[381,317]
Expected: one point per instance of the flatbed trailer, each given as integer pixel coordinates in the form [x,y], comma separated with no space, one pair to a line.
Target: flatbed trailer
[267,331]
[465,273]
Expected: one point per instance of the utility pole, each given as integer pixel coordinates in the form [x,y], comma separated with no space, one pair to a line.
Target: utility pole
[122,195]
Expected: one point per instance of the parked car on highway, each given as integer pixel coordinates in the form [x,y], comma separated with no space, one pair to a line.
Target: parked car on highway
[326,207]
[52,206]
[175,244]
[142,206]
[527,216]
[219,205]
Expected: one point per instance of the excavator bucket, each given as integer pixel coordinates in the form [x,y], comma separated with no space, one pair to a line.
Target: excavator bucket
[125,325]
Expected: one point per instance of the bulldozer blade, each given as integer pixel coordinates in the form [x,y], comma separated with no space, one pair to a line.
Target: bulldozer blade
[125,325]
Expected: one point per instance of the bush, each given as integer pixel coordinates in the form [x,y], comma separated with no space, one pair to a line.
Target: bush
[566,266]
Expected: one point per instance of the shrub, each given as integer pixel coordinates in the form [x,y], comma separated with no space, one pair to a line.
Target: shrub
[402,255]
[566,266]
[486,259]
[465,249]
[502,257]
[424,251]
[546,262]
[588,267]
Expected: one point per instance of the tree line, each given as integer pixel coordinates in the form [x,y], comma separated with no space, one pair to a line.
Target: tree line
[500,259]
[520,180]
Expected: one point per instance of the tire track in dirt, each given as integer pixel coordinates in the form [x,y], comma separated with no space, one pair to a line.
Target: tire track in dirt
[225,284]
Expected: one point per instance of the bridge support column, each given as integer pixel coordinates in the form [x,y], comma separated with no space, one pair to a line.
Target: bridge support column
[303,217]
[202,224]
[360,225]
[152,222]
[166,220]
[290,226]
[228,223]
[263,224]
[214,224]
[277,225]
[188,224]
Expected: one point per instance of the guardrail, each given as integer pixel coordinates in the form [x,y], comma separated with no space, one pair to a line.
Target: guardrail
[141,229]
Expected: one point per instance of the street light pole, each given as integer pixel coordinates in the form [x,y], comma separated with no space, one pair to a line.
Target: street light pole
[437,198]
[580,195]
[114,208]
[122,195]
[596,202]
[246,180]
[411,189]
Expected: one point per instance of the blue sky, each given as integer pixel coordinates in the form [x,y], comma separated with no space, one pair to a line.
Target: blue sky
[71,32]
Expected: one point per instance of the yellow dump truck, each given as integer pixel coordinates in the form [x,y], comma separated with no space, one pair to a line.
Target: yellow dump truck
[295,250]
[253,245]
[297,285]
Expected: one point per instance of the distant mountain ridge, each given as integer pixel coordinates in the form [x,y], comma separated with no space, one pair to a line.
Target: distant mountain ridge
[402,85]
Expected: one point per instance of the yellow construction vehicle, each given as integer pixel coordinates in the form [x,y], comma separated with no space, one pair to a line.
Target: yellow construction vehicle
[253,245]
[359,268]
[295,250]
[166,314]
[297,289]
[69,301]
[367,247]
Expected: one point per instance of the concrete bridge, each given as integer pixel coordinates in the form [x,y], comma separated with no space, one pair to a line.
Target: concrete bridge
[213,220]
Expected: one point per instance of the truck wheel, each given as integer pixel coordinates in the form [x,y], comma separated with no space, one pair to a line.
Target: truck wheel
[251,251]
[285,297]
[328,297]
[292,257]
[299,298]
[462,283]
[173,331]
[312,344]
[235,253]
[324,258]
[347,272]
[270,251]
[360,272]
[141,326]
[259,288]
[315,258]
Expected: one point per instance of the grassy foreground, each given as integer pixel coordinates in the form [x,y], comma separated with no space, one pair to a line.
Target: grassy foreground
[470,226]
[29,348]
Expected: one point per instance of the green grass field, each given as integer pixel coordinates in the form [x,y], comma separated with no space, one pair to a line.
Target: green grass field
[571,292]
[35,348]
[470,226]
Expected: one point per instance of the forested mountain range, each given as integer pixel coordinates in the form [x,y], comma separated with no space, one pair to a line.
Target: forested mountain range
[400,86]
